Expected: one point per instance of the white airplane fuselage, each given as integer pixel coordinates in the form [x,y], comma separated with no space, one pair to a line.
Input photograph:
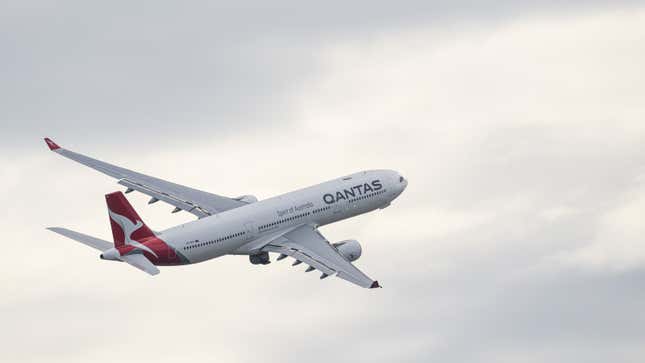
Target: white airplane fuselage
[246,229]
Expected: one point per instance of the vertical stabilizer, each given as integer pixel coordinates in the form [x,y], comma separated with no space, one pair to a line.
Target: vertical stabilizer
[127,226]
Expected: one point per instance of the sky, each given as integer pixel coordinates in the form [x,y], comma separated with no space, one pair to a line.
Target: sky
[520,126]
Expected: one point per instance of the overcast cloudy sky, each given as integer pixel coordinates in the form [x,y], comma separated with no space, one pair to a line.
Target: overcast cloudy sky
[520,125]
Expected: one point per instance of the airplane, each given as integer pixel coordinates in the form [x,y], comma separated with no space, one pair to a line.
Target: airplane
[286,224]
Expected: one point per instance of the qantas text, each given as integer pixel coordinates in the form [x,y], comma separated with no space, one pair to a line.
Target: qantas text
[357,190]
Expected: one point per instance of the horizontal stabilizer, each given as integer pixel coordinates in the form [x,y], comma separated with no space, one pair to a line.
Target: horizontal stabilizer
[137,260]
[141,262]
[93,242]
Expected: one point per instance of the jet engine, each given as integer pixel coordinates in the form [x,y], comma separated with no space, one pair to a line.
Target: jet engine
[350,249]
[247,199]
[261,258]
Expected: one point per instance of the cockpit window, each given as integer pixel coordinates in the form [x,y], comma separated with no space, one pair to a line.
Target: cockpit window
[401,179]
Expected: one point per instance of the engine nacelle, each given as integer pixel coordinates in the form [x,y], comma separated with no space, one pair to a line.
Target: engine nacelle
[350,249]
[261,258]
[247,199]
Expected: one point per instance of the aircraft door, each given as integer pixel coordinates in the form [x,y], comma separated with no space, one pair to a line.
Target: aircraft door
[338,207]
[352,208]
[251,230]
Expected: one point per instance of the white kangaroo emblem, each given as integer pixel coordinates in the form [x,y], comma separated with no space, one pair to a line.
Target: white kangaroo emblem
[128,229]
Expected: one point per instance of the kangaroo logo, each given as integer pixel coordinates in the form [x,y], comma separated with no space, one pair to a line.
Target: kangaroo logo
[128,229]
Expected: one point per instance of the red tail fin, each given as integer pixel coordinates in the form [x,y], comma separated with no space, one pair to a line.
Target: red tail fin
[126,224]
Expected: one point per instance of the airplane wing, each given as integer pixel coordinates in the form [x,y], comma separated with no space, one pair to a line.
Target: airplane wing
[307,245]
[201,204]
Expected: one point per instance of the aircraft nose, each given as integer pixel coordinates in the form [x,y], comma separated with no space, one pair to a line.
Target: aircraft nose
[402,183]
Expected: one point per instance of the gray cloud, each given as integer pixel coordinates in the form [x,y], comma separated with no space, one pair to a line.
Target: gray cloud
[157,72]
